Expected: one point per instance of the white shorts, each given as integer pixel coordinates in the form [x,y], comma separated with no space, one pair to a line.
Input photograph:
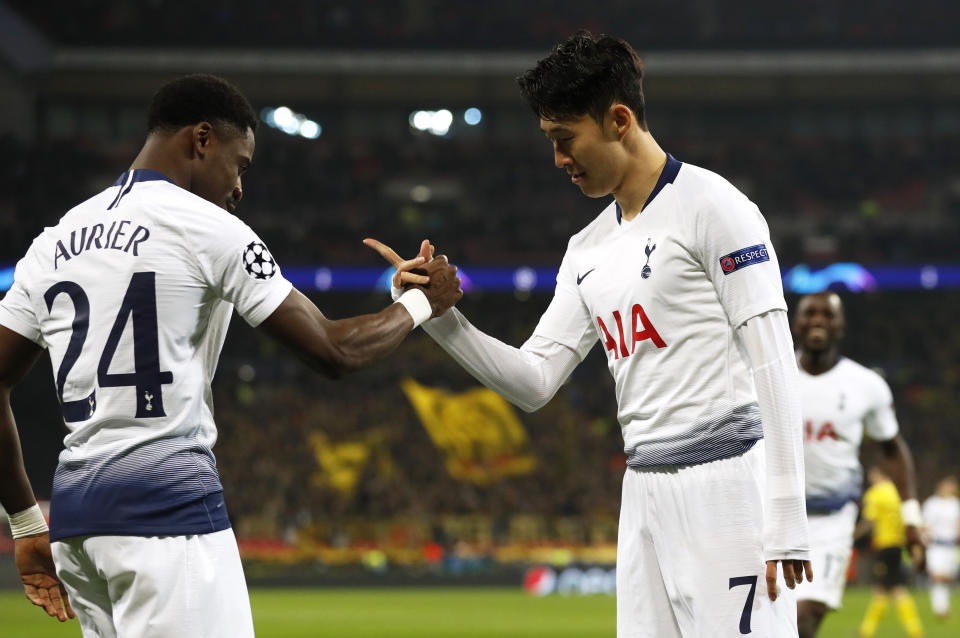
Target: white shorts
[942,560]
[156,586]
[831,545]
[690,557]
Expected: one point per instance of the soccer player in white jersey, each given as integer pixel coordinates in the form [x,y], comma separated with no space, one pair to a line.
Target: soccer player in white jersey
[678,281]
[941,522]
[131,293]
[841,401]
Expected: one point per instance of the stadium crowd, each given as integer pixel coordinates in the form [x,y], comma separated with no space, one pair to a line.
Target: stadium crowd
[272,408]
[497,198]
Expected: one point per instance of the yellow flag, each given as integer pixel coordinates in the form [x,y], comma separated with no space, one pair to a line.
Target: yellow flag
[477,431]
[341,464]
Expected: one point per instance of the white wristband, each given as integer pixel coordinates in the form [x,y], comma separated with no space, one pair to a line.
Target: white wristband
[910,512]
[29,521]
[417,304]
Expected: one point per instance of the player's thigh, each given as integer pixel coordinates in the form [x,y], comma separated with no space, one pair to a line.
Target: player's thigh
[830,577]
[86,588]
[175,586]
[707,523]
[942,561]
[831,543]
[223,587]
[643,609]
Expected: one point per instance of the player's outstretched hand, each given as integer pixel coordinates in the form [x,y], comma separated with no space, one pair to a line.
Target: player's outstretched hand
[793,571]
[35,564]
[408,271]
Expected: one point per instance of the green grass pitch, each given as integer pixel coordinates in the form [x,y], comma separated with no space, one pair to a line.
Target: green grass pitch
[451,613]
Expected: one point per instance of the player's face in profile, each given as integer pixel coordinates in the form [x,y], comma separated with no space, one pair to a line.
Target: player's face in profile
[586,151]
[819,322]
[226,158]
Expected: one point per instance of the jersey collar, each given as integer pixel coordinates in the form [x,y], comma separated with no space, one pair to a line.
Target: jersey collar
[141,175]
[667,175]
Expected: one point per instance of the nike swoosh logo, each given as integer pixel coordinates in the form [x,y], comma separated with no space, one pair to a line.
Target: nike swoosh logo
[580,278]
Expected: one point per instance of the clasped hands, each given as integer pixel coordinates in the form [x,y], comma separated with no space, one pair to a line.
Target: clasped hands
[434,275]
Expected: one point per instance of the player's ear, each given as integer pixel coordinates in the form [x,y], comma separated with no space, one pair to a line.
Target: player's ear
[202,137]
[621,118]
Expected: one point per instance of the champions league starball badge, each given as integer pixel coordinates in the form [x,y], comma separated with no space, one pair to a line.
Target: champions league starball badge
[647,271]
[258,262]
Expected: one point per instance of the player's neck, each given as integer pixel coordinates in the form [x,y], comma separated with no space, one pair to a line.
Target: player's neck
[818,362]
[646,163]
[161,154]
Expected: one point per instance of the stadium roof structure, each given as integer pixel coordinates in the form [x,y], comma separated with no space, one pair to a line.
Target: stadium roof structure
[369,75]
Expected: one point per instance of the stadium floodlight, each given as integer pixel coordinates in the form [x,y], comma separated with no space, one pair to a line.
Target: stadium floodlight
[291,123]
[420,120]
[285,120]
[440,122]
[309,129]
[472,116]
[435,122]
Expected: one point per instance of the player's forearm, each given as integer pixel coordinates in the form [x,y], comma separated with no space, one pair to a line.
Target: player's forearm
[528,377]
[335,348]
[16,494]
[900,466]
[769,347]
[358,342]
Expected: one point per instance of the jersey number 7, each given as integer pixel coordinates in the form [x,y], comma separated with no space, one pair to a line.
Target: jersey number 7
[140,303]
[748,605]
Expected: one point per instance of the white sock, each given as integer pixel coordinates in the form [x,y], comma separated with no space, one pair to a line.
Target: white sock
[940,598]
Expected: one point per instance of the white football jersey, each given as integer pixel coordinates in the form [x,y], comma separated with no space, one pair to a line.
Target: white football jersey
[941,517]
[664,294]
[131,293]
[838,407]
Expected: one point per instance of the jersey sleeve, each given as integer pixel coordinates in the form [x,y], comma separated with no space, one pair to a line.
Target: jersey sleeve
[16,308]
[881,420]
[240,269]
[567,320]
[738,256]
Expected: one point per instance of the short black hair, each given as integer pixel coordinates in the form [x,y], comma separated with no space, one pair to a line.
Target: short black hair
[196,98]
[584,75]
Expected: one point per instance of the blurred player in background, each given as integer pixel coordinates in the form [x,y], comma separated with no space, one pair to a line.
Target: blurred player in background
[679,282]
[841,401]
[941,522]
[131,293]
[883,520]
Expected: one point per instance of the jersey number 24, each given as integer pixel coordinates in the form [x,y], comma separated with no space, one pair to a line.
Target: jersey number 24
[140,303]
